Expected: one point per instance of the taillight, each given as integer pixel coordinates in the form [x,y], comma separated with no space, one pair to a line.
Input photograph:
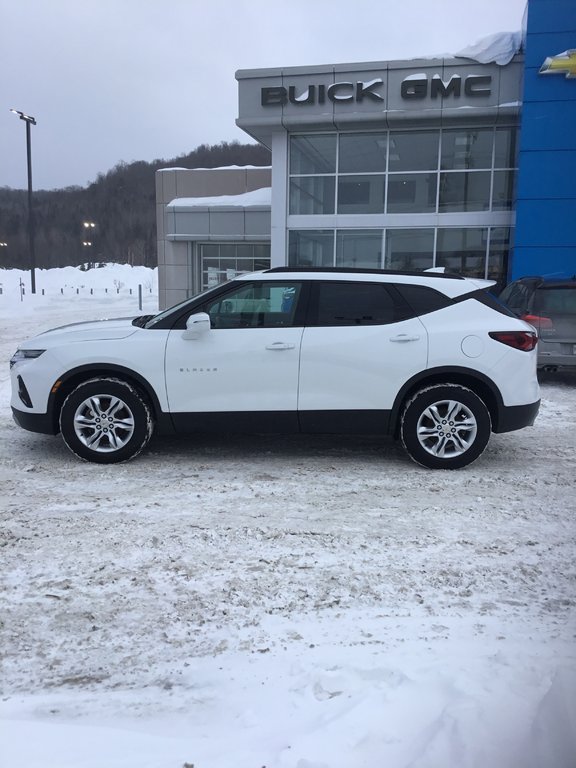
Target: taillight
[523,340]
[542,323]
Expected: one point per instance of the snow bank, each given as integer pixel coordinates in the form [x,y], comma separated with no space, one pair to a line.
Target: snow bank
[67,282]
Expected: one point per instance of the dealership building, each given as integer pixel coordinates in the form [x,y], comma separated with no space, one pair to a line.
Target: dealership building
[466,163]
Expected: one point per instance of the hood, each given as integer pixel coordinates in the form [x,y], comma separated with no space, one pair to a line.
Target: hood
[92,330]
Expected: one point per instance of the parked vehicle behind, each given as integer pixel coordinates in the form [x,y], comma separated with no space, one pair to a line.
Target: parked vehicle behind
[550,306]
[431,358]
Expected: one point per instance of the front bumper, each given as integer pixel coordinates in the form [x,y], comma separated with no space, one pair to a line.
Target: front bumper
[35,422]
[512,417]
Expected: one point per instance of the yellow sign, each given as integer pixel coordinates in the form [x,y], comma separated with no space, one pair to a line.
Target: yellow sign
[561,64]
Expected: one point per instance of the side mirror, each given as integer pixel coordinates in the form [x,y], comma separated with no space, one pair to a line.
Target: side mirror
[197,325]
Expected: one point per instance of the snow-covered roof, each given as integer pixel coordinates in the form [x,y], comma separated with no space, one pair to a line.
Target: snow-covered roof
[499,48]
[259,197]
[219,168]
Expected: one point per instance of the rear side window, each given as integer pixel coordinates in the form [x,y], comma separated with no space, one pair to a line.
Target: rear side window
[516,296]
[557,300]
[422,300]
[484,297]
[352,303]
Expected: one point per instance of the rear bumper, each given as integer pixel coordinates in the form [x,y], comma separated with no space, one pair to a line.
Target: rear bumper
[512,417]
[560,353]
[34,422]
[564,361]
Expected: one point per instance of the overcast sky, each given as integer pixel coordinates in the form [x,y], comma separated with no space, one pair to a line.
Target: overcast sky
[124,80]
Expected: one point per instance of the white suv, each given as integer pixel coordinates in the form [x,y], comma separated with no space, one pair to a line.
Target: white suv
[428,357]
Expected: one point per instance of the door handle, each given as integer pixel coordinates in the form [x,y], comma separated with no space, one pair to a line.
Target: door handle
[402,337]
[279,345]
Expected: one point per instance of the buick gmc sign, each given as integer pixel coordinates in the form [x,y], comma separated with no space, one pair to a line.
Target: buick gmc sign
[278,96]
[420,86]
[413,87]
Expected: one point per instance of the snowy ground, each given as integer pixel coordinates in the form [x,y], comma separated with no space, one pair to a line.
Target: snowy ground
[282,602]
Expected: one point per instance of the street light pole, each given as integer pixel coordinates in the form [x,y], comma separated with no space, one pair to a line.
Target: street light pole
[88,239]
[29,120]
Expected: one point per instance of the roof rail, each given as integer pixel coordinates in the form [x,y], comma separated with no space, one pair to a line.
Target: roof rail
[359,271]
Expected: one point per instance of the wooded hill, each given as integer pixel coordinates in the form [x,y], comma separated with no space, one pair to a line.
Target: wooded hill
[121,204]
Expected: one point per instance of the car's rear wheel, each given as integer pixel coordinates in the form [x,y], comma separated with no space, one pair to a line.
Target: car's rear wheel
[445,426]
[106,420]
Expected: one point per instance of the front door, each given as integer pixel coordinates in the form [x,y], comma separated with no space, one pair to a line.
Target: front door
[245,366]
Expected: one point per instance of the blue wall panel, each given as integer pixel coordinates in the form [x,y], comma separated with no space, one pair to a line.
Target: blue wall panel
[545,237]
[543,21]
[553,181]
[550,262]
[551,44]
[540,125]
[547,87]
[546,223]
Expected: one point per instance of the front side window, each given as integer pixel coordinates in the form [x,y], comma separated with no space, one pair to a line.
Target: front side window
[255,305]
[354,304]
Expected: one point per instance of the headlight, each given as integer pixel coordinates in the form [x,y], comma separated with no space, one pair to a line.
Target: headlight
[25,354]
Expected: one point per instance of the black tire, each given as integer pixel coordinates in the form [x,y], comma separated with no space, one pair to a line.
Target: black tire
[445,426]
[106,420]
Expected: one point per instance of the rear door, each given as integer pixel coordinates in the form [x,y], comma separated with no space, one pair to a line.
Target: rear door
[357,352]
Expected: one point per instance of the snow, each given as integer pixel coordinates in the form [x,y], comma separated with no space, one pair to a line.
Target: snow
[56,288]
[258,197]
[287,602]
[218,168]
[499,48]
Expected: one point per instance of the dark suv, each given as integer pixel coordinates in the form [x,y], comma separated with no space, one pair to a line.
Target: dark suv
[549,306]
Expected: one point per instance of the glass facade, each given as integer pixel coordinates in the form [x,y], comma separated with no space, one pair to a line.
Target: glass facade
[415,172]
[402,171]
[409,249]
[223,261]
[471,251]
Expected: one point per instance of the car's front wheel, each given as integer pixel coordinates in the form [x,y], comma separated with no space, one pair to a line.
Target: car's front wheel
[445,426]
[106,420]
